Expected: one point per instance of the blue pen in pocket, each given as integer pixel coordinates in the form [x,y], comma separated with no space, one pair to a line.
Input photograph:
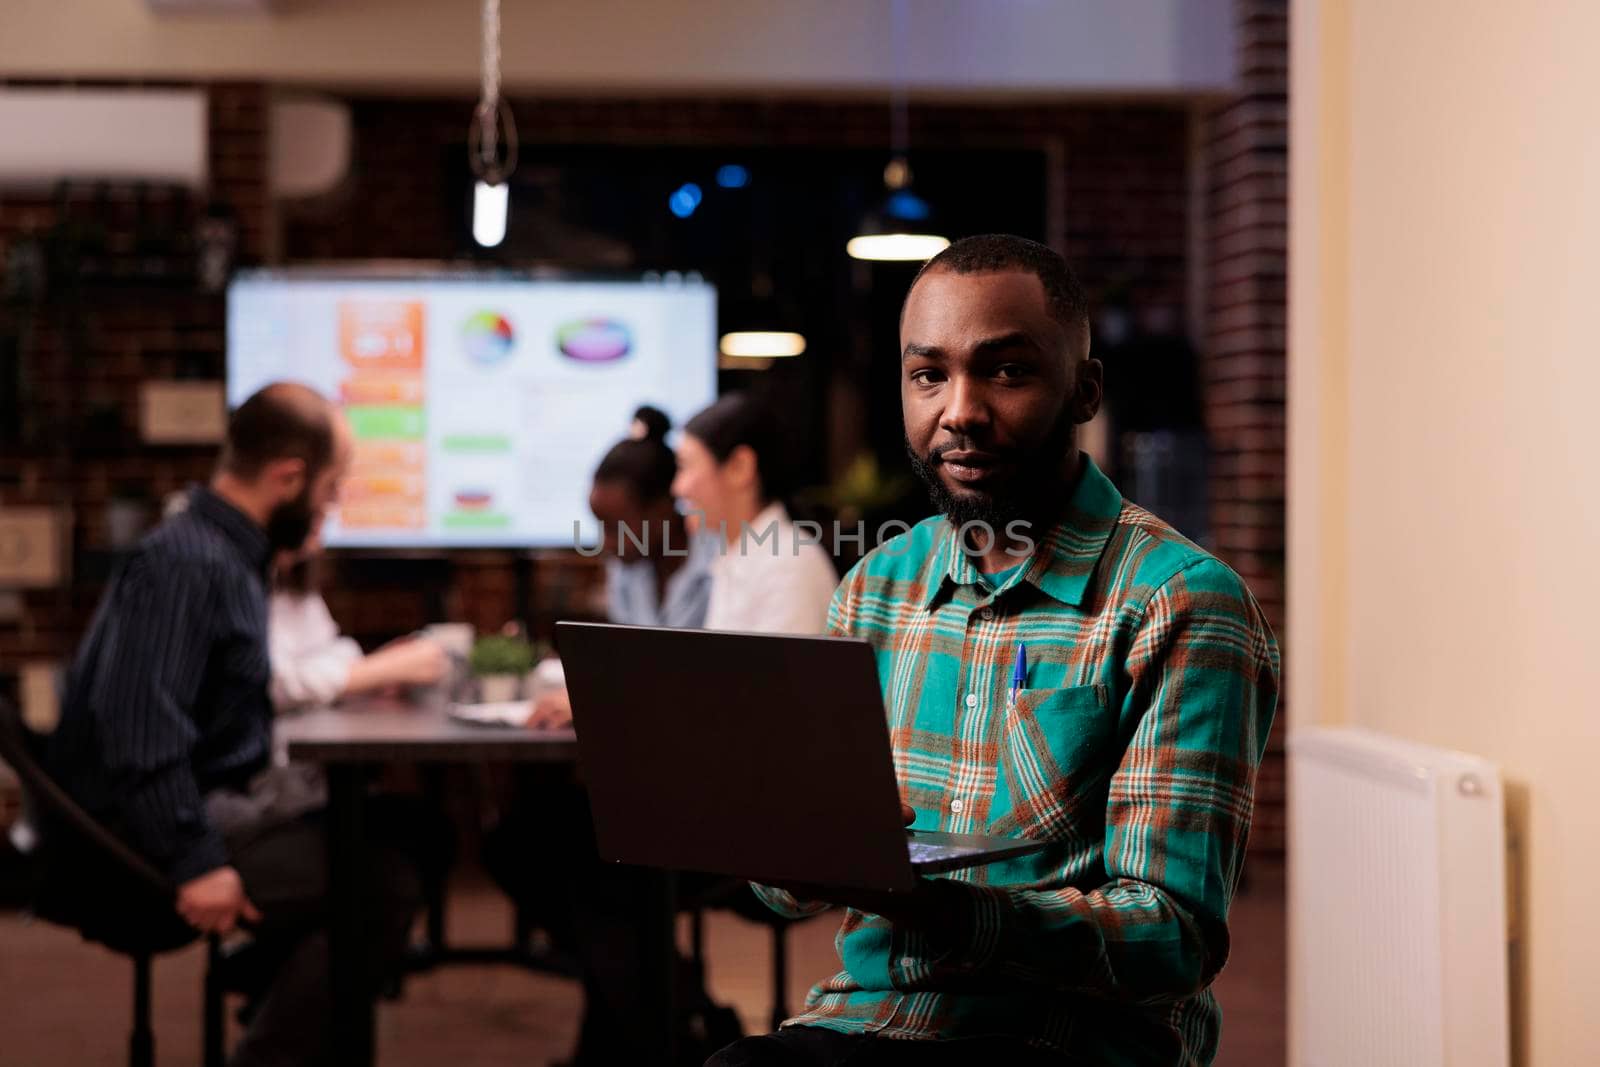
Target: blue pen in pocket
[1019,676]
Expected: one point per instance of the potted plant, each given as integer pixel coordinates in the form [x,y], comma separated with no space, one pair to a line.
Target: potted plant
[500,662]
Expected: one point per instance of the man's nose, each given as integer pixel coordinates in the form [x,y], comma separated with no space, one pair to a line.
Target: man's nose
[966,408]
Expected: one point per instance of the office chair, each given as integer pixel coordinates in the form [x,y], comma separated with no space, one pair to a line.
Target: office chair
[114,897]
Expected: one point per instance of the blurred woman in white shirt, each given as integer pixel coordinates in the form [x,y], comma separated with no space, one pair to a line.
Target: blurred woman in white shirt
[769,576]
[313,664]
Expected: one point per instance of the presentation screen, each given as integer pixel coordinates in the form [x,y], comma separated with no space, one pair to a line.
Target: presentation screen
[480,403]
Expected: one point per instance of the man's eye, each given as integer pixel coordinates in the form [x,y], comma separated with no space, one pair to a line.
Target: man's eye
[926,376]
[1011,371]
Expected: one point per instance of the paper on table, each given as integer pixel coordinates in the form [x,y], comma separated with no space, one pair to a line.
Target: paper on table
[500,713]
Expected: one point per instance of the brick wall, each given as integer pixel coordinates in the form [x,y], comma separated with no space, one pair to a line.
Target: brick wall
[1244,366]
[84,349]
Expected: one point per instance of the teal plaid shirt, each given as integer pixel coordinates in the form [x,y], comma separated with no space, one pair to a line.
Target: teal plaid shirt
[1152,679]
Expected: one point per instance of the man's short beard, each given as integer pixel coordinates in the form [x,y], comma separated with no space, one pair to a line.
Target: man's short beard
[1031,496]
[289,525]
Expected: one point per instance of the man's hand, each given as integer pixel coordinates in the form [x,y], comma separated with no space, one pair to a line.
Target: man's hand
[214,903]
[934,904]
[929,904]
[551,711]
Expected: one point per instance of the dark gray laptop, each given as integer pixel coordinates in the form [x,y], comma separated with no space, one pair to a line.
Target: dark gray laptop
[755,756]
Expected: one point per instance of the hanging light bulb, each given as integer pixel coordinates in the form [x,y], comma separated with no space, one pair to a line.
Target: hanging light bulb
[899,229]
[490,163]
[489,212]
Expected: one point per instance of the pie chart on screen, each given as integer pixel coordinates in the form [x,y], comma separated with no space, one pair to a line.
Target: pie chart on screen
[594,340]
[488,338]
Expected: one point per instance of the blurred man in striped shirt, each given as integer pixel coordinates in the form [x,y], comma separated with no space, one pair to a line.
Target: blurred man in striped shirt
[166,727]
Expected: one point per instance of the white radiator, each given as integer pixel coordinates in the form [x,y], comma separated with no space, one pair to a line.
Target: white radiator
[1397,904]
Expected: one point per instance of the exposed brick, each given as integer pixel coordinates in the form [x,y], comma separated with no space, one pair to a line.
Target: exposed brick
[1244,371]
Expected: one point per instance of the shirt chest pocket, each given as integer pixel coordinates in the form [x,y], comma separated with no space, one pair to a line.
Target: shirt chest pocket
[1053,750]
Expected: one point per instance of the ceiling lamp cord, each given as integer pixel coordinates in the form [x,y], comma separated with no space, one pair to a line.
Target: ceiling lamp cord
[485,138]
[491,141]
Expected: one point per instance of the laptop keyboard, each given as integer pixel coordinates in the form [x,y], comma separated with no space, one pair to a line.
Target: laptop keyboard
[922,852]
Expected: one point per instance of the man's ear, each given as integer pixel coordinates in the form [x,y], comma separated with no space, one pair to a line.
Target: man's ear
[286,477]
[1088,389]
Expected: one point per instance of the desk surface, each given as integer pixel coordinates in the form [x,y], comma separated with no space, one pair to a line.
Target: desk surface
[397,732]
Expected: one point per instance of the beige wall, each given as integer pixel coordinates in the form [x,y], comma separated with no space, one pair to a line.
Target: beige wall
[1445,437]
[1122,46]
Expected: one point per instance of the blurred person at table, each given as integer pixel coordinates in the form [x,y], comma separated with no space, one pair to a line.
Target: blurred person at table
[657,572]
[764,578]
[165,734]
[313,664]
[767,577]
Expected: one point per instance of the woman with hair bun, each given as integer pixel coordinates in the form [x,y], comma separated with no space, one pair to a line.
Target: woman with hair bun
[646,584]
[657,571]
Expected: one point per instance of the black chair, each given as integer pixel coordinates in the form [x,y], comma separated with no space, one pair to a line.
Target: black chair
[112,896]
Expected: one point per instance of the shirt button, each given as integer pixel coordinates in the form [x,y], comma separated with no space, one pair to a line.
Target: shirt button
[907,962]
[972,700]
[988,614]
[958,806]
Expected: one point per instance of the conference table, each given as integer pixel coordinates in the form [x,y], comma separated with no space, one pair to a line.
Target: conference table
[351,743]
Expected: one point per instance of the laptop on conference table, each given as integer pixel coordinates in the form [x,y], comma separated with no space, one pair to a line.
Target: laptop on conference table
[756,756]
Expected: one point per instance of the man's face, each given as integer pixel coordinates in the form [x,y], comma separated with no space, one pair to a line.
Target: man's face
[296,519]
[992,389]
